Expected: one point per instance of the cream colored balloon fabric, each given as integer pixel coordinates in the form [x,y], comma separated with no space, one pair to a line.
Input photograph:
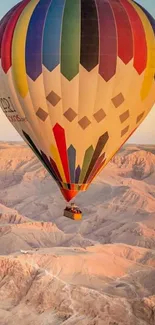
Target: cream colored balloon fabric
[76,80]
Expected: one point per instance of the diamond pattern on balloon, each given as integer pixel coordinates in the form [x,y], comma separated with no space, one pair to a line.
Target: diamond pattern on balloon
[53,98]
[139,117]
[124,116]
[84,122]
[70,114]
[118,100]
[99,116]
[124,131]
[42,114]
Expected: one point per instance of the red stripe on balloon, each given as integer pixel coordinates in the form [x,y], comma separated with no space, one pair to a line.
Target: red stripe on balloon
[124,32]
[108,40]
[96,167]
[3,23]
[140,44]
[102,162]
[8,37]
[59,135]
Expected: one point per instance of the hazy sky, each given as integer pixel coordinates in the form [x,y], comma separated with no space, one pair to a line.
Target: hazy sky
[144,134]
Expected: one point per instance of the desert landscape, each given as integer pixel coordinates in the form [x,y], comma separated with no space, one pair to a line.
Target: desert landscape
[98,271]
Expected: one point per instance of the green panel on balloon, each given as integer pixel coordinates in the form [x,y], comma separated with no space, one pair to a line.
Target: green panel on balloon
[70,42]
[86,162]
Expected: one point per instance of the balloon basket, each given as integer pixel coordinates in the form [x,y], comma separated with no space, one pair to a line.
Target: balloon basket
[73,212]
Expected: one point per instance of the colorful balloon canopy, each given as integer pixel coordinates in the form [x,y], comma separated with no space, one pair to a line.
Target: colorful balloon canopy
[76,80]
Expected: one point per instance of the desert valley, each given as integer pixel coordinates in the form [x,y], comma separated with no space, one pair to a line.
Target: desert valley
[98,271]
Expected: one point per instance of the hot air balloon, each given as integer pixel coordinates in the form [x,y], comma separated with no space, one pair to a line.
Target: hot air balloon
[76,80]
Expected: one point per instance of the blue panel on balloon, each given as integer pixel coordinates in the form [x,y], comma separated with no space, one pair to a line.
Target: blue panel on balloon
[52,35]
[35,38]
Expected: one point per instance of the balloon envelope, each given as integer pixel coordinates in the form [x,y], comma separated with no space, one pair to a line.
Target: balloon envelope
[76,80]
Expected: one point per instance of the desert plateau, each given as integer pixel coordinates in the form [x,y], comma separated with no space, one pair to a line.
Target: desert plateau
[98,271]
